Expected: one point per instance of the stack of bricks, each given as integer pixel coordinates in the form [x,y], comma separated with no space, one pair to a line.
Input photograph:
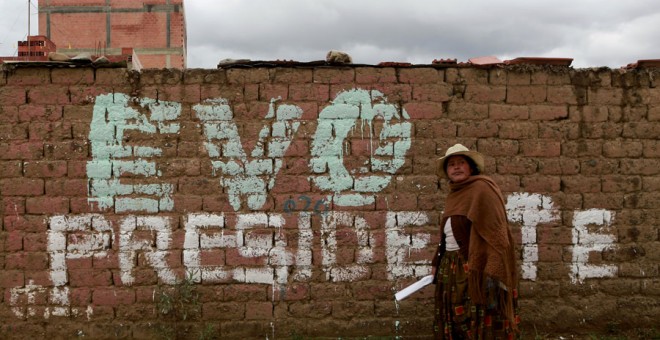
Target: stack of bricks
[295,201]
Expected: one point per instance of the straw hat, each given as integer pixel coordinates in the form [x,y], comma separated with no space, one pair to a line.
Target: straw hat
[456,150]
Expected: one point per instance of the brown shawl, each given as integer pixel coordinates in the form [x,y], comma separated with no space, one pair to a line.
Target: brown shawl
[491,248]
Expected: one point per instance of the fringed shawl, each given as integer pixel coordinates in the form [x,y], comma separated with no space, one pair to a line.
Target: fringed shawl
[491,248]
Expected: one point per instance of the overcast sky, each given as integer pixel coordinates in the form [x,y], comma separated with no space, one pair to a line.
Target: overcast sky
[594,33]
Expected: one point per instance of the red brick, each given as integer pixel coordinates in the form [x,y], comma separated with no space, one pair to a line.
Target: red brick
[646,167]
[29,76]
[258,311]
[516,165]
[13,95]
[14,132]
[540,148]
[501,112]
[580,184]
[27,150]
[554,235]
[248,76]
[245,292]
[599,166]
[583,113]
[111,76]
[11,169]
[562,95]
[69,76]
[312,92]
[27,223]
[482,129]
[223,311]
[582,148]
[435,129]
[113,296]
[92,278]
[49,94]
[421,75]
[485,94]
[559,166]
[35,242]
[518,130]
[77,169]
[424,110]
[292,75]
[47,205]
[12,279]
[310,310]
[646,130]
[654,114]
[292,292]
[542,184]
[67,150]
[22,187]
[606,96]
[27,261]
[334,75]
[532,94]
[546,112]
[498,147]
[431,92]
[396,92]
[601,130]
[349,310]
[459,110]
[519,78]
[298,148]
[55,131]
[611,201]
[375,75]
[67,187]
[13,241]
[471,76]
[79,263]
[198,186]
[234,258]
[45,169]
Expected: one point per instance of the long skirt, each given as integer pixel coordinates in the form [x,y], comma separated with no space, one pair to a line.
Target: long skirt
[456,316]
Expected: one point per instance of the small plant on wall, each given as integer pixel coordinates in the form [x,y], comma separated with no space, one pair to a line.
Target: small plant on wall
[177,309]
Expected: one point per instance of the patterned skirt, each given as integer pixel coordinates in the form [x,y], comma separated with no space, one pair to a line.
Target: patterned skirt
[456,316]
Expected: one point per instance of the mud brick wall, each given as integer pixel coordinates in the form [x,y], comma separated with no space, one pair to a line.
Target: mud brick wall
[295,201]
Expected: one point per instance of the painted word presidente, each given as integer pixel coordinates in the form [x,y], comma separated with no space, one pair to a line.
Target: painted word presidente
[271,257]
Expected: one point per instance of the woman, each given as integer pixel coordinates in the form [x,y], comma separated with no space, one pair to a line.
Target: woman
[475,268]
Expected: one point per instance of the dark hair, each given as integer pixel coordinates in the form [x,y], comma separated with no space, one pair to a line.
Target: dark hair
[473,166]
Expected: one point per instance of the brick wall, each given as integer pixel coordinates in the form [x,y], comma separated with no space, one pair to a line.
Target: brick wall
[298,200]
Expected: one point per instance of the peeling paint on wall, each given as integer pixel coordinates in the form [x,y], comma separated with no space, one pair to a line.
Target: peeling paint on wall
[586,241]
[247,178]
[258,240]
[530,210]
[114,117]
[358,187]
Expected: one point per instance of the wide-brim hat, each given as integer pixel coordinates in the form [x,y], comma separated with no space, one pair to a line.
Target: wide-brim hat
[460,150]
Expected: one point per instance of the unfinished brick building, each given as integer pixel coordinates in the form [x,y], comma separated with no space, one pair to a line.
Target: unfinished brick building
[154,29]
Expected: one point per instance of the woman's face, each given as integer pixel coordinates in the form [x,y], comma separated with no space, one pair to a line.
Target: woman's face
[458,169]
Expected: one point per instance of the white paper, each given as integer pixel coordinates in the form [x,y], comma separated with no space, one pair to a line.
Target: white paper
[421,283]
